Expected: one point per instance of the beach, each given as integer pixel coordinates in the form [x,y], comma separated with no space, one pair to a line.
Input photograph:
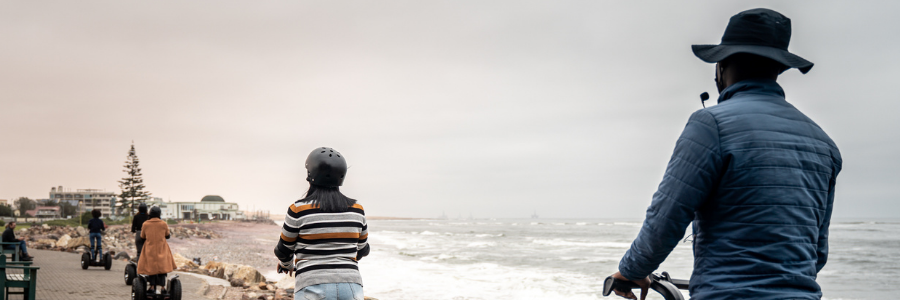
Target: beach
[534,258]
[247,243]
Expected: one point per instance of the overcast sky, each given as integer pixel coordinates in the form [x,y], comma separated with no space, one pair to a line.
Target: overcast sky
[488,108]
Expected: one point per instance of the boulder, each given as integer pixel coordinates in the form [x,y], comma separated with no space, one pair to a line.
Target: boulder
[122,255]
[248,274]
[286,282]
[213,265]
[63,241]
[81,231]
[182,262]
[45,226]
[79,241]
[263,286]
[236,282]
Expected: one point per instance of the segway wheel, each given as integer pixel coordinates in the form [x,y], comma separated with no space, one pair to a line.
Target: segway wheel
[107,259]
[175,289]
[85,261]
[138,290]
[130,273]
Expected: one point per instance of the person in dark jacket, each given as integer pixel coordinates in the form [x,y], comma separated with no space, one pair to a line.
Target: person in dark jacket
[96,227]
[136,223]
[9,236]
[754,175]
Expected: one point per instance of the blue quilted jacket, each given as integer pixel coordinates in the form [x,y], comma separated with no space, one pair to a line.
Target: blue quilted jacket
[756,177]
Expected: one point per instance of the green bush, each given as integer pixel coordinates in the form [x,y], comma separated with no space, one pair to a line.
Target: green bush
[85,217]
[171,221]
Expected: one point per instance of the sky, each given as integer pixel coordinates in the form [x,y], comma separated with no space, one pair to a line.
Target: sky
[490,109]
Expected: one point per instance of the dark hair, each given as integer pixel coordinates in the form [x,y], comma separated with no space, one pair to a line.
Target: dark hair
[754,66]
[96,213]
[329,199]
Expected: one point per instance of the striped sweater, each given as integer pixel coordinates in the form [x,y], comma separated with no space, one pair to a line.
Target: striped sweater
[324,247]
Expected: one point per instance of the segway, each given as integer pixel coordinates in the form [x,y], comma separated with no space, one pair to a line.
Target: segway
[104,260]
[130,272]
[662,284]
[140,289]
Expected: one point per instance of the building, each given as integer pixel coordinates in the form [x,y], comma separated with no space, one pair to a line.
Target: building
[164,207]
[4,202]
[44,212]
[87,199]
[211,207]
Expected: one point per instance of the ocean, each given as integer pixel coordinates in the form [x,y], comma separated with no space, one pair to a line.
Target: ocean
[569,258]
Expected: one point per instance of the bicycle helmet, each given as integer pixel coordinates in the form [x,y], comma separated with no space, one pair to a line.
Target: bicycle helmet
[326,167]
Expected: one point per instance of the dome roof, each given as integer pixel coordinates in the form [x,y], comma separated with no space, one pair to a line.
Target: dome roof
[212,198]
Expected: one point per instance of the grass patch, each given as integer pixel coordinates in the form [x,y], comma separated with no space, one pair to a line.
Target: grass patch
[64,222]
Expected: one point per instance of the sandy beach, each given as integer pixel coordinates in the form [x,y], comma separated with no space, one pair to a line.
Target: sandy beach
[244,243]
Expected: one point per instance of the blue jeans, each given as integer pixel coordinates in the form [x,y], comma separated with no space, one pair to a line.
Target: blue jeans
[95,236]
[331,291]
[21,247]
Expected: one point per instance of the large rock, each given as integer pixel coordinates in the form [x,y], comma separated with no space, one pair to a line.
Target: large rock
[249,274]
[227,271]
[63,241]
[122,255]
[81,231]
[79,241]
[183,263]
[286,282]
[213,265]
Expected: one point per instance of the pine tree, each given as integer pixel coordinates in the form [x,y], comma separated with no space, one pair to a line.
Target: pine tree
[132,185]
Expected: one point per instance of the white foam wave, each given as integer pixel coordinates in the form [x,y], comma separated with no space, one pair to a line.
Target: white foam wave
[561,242]
[391,276]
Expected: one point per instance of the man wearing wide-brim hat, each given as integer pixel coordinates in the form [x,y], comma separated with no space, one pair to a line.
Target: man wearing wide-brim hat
[754,175]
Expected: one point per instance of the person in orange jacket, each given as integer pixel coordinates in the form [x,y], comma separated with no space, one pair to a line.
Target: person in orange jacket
[156,258]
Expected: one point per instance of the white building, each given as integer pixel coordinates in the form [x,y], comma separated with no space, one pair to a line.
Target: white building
[211,207]
[87,199]
[164,207]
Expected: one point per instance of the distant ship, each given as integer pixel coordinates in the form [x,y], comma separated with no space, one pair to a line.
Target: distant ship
[534,215]
[443,216]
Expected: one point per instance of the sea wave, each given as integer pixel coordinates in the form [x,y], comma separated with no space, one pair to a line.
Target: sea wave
[561,242]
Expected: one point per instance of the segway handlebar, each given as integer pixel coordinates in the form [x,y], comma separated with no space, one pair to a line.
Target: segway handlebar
[662,284]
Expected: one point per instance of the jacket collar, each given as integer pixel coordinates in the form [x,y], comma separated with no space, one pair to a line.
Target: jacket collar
[755,86]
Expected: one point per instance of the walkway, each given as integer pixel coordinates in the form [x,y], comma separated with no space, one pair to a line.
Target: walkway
[61,277]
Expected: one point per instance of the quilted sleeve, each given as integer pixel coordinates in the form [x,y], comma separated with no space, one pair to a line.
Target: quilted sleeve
[691,176]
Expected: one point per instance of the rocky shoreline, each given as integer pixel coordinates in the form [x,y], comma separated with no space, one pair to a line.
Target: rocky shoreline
[201,240]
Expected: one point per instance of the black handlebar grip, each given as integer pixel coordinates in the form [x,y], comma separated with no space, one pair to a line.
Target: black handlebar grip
[623,286]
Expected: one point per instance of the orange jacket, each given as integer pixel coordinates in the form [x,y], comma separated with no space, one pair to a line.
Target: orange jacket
[156,257]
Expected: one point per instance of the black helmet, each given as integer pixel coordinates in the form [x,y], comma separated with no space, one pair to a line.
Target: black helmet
[326,167]
[142,208]
[155,212]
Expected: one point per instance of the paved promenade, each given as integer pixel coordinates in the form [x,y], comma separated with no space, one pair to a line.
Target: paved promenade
[61,277]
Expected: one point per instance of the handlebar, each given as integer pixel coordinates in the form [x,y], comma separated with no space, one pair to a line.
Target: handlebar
[662,284]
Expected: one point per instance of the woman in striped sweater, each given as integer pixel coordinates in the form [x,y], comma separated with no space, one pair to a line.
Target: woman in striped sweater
[324,234]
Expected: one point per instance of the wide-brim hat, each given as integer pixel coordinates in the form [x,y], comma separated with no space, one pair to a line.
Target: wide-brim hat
[759,31]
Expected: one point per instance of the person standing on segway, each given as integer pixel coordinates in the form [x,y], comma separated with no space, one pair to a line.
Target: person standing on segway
[95,228]
[136,224]
[326,232]
[754,175]
[156,259]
